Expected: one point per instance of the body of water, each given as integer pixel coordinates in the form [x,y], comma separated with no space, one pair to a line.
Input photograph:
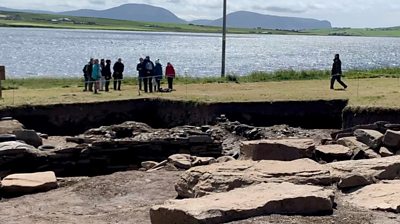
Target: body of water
[49,52]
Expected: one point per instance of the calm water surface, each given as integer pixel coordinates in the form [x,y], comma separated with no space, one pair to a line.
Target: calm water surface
[49,52]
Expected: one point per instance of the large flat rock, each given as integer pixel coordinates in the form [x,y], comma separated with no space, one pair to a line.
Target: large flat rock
[384,196]
[367,170]
[257,200]
[27,183]
[282,149]
[222,177]
[9,126]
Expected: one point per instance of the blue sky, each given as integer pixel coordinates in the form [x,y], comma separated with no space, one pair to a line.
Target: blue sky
[342,13]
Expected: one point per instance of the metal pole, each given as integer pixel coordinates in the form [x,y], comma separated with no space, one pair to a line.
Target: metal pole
[223,40]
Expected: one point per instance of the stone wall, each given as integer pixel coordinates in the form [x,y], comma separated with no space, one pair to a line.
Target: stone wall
[72,119]
[353,116]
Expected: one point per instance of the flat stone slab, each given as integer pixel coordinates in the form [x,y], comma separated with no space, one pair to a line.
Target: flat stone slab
[330,153]
[243,203]
[223,177]
[9,126]
[283,149]
[387,168]
[384,196]
[27,183]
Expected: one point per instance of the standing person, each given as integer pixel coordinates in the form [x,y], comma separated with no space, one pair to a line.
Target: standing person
[102,79]
[170,74]
[87,71]
[107,74]
[96,75]
[158,73]
[149,73]
[118,74]
[337,72]
[140,68]
[86,76]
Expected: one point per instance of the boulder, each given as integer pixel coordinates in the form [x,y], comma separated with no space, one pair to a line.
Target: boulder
[371,170]
[9,126]
[284,150]
[27,183]
[222,177]
[29,136]
[352,143]
[14,148]
[330,153]
[392,139]
[352,180]
[371,138]
[383,196]
[262,199]
[182,161]
[149,164]
[371,154]
[385,152]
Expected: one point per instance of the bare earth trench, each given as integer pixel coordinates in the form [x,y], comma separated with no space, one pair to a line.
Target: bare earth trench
[127,197]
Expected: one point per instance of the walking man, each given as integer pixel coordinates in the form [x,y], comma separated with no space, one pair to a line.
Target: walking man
[337,72]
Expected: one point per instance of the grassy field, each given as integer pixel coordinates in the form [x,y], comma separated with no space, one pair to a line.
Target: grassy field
[382,92]
[19,19]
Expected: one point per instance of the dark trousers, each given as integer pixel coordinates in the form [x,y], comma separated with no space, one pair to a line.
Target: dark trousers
[170,82]
[148,86]
[117,84]
[91,83]
[140,83]
[86,82]
[337,78]
[158,84]
[107,86]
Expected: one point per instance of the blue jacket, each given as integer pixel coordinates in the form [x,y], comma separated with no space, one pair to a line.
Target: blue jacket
[158,71]
[96,73]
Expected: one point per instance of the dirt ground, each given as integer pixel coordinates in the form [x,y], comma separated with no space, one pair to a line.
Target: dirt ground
[127,197]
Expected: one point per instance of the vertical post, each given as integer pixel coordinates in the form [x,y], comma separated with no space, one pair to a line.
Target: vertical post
[2,77]
[223,40]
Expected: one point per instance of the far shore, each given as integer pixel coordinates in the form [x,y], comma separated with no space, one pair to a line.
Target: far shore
[30,20]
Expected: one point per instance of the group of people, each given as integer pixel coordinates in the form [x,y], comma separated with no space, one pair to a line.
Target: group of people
[97,75]
[150,75]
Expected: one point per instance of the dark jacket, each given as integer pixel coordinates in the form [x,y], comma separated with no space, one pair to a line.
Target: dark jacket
[103,66]
[87,70]
[118,70]
[141,69]
[148,68]
[158,71]
[336,67]
[107,71]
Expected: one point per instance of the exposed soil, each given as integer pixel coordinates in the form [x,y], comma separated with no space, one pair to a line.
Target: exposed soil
[127,197]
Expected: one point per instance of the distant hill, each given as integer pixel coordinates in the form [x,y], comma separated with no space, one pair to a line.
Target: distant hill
[244,19]
[133,12]
[148,13]
[25,10]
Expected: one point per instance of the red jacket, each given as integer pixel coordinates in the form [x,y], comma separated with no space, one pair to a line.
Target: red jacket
[170,71]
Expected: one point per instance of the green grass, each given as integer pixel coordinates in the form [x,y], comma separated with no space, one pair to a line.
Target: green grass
[283,75]
[19,19]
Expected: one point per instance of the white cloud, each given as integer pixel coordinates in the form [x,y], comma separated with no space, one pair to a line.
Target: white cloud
[359,13]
